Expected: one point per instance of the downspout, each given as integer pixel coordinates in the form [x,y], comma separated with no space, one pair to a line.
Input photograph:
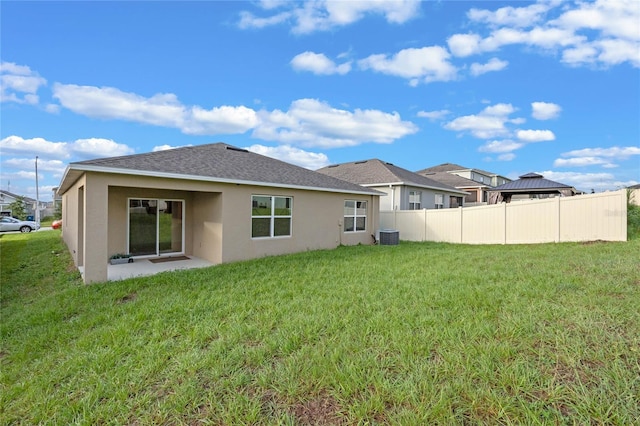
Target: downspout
[393,197]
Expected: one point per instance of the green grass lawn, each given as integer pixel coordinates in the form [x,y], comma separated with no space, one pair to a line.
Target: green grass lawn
[419,333]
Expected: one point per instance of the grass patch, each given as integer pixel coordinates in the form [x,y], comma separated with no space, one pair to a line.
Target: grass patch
[419,333]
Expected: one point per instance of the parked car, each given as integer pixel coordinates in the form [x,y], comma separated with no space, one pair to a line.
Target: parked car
[13,224]
[56,224]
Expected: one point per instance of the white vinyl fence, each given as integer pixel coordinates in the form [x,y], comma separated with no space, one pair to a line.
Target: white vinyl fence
[579,218]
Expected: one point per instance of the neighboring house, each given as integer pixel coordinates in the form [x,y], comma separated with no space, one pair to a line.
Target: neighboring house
[6,198]
[474,181]
[215,202]
[531,185]
[405,190]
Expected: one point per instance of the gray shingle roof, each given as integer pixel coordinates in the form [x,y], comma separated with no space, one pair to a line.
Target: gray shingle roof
[454,180]
[374,171]
[217,162]
[451,167]
[444,167]
[12,195]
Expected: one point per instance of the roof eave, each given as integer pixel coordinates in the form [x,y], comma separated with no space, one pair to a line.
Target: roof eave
[417,185]
[120,171]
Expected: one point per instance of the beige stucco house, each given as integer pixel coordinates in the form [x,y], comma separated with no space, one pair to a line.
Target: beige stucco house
[214,202]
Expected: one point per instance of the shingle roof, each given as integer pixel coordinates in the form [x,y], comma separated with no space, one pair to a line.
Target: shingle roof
[217,162]
[374,171]
[444,167]
[12,195]
[454,180]
[452,167]
[531,181]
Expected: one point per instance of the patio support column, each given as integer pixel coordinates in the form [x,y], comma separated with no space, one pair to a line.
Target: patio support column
[95,229]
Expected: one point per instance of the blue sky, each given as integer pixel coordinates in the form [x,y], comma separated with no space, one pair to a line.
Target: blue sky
[508,87]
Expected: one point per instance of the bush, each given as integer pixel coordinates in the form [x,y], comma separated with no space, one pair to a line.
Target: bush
[633,221]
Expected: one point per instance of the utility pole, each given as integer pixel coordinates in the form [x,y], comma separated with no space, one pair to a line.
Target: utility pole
[37,195]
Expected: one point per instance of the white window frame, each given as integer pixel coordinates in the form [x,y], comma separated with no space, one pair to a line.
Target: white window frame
[413,205]
[157,200]
[272,216]
[355,216]
[439,197]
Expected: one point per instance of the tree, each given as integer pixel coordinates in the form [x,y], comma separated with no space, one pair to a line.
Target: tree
[58,213]
[18,209]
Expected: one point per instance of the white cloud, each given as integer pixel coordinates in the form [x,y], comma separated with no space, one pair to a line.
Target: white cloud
[494,64]
[434,115]
[224,119]
[297,156]
[162,109]
[601,33]
[510,16]
[506,157]
[17,145]
[463,45]
[248,20]
[613,152]
[425,64]
[501,146]
[616,19]
[489,123]
[19,84]
[85,148]
[166,147]
[535,135]
[581,162]
[28,166]
[587,181]
[310,122]
[108,102]
[605,157]
[322,15]
[318,63]
[98,147]
[545,110]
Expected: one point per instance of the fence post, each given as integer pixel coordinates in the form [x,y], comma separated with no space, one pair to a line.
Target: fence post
[558,219]
[504,227]
[424,227]
[461,225]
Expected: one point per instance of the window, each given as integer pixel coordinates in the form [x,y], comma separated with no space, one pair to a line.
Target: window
[439,201]
[270,216]
[414,200]
[155,226]
[355,216]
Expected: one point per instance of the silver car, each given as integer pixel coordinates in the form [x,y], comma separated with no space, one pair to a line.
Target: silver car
[13,224]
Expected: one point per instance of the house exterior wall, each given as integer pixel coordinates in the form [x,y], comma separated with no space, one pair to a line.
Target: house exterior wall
[217,221]
[397,197]
[70,209]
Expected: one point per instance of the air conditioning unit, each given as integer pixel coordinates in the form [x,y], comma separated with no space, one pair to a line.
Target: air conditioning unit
[389,237]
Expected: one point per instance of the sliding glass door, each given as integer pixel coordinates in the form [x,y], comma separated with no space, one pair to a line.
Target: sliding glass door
[155,227]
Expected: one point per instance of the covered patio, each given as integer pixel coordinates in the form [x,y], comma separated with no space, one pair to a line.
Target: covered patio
[152,266]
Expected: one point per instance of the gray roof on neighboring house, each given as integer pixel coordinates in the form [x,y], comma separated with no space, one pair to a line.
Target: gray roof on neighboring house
[531,182]
[637,186]
[454,180]
[451,167]
[444,167]
[376,172]
[12,195]
[217,162]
